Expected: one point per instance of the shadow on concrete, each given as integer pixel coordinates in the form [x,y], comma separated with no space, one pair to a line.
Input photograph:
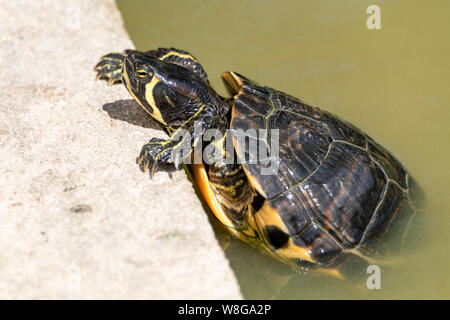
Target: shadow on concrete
[131,112]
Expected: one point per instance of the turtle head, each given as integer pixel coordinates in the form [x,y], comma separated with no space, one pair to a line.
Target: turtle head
[168,92]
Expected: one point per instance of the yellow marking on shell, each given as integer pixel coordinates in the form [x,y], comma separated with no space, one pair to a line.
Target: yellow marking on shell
[151,101]
[292,251]
[181,55]
[266,216]
[233,80]
[253,181]
[202,180]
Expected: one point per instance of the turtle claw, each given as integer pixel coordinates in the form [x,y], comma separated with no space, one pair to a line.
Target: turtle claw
[112,80]
[151,154]
[153,169]
[159,153]
[109,68]
[145,165]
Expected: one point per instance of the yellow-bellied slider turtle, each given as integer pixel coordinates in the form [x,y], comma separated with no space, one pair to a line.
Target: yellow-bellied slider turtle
[336,198]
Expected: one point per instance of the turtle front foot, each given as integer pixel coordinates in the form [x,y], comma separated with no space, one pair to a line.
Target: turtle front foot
[161,152]
[109,67]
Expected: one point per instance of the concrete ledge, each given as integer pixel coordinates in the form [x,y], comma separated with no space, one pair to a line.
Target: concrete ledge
[78,218]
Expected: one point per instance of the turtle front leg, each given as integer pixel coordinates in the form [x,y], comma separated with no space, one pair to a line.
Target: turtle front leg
[179,146]
[109,68]
[160,151]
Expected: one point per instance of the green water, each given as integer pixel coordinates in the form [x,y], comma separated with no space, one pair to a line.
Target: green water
[393,83]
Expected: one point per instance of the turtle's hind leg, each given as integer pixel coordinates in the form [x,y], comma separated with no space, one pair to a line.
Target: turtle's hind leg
[109,68]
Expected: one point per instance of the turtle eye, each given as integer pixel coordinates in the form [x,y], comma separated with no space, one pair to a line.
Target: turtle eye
[140,73]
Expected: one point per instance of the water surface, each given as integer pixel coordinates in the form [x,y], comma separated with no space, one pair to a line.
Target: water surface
[393,83]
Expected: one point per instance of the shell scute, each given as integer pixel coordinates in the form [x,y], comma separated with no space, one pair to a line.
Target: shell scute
[332,186]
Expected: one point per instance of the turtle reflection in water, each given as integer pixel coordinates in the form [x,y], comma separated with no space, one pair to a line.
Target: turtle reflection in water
[338,200]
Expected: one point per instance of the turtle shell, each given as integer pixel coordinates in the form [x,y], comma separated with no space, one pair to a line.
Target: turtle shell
[335,193]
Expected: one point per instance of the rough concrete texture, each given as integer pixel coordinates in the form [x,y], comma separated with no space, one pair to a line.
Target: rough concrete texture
[78,219]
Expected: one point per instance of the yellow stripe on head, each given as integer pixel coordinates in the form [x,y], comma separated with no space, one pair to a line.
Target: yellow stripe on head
[151,101]
[148,96]
[177,54]
[128,85]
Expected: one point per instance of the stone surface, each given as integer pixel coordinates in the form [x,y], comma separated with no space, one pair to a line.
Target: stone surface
[78,217]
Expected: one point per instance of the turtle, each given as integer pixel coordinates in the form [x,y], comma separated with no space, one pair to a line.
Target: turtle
[316,192]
